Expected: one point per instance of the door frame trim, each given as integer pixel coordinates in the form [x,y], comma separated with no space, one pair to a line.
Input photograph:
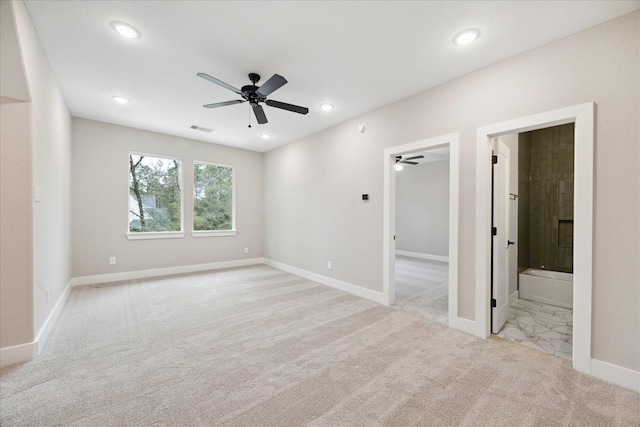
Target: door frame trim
[389,218]
[582,116]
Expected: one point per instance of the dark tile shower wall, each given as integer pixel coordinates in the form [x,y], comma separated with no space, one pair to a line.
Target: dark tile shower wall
[524,164]
[549,199]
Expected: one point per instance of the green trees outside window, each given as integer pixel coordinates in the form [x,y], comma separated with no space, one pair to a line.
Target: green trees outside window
[155,201]
[212,197]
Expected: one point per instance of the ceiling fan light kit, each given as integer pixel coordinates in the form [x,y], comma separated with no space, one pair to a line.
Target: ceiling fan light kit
[255,95]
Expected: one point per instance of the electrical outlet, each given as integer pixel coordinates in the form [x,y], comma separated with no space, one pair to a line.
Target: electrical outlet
[246,250]
[329,265]
[112,260]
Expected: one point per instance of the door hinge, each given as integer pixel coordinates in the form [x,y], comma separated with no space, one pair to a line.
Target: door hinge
[494,231]
[494,159]
[493,302]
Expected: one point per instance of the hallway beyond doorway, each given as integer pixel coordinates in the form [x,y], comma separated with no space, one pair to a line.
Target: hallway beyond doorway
[422,288]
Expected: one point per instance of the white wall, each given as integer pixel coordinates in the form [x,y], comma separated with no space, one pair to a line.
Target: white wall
[313,207]
[101,196]
[422,208]
[13,82]
[51,127]
[47,167]
[16,224]
[16,208]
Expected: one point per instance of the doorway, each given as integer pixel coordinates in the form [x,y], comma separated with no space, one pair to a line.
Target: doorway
[532,286]
[583,118]
[422,233]
[389,217]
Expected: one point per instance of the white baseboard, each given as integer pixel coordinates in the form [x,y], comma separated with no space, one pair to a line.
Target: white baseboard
[618,375]
[25,352]
[465,325]
[423,256]
[359,291]
[42,336]
[18,353]
[513,297]
[143,274]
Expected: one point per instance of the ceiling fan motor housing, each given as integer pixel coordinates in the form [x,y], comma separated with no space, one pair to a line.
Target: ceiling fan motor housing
[249,93]
[254,78]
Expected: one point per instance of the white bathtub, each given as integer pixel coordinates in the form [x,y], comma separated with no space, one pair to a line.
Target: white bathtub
[549,287]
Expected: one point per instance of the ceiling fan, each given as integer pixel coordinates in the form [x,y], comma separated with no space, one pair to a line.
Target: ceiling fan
[255,95]
[408,161]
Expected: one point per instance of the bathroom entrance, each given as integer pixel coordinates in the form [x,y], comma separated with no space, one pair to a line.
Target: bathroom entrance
[583,118]
[532,244]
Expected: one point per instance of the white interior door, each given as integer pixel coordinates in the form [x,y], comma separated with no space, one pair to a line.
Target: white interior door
[501,243]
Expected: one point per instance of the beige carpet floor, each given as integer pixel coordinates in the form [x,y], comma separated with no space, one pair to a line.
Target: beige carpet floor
[422,288]
[259,347]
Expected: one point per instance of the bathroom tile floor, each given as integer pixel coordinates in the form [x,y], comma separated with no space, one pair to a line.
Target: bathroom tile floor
[541,326]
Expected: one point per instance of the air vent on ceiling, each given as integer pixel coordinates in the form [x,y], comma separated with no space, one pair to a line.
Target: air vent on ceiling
[201,128]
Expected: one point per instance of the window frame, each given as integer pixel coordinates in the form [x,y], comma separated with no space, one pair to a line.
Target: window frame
[214,233]
[147,235]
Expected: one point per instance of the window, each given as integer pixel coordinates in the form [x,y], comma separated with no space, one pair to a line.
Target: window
[213,198]
[155,196]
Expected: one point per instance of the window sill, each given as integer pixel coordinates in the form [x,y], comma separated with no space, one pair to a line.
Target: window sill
[212,233]
[156,235]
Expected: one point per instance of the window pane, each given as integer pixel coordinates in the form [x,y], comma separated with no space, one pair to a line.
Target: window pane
[154,194]
[212,197]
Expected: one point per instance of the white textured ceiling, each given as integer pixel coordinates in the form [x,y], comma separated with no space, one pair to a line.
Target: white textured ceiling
[357,55]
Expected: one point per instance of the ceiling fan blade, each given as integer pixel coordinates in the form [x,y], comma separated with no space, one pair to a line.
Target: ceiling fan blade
[220,83]
[259,112]
[222,104]
[288,107]
[274,83]
[409,163]
[415,157]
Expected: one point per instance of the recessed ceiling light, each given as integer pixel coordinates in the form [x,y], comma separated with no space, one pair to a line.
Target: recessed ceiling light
[120,99]
[126,30]
[467,36]
[326,106]
[265,136]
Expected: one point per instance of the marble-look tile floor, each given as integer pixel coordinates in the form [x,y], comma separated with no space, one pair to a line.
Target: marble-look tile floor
[541,326]
[422,288]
